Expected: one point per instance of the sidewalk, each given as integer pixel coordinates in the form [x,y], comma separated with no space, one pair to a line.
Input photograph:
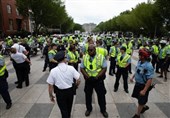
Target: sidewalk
[33,101]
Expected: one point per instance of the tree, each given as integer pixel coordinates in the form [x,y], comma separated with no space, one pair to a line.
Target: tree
[45,13]
[78,27]
[164,11]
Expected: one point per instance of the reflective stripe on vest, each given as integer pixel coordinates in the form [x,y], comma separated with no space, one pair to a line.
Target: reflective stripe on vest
[122,63]
[113,54]
[2,69]
[96,64]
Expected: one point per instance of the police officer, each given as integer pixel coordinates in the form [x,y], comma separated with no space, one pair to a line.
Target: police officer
[51,54]
[45,53]
[61,78]
[163,59]
[3,83]
[143,77]
[113,54]
[123,61]
[101,50]
[93,68]
[155,51]
[73,58]
[21,67]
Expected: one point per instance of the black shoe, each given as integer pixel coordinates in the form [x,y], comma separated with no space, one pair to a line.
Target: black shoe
[16,82]
[157,71]
[8,106]
[26,85]
[165,79]
[136,116]
[145,108]
[130,72]
[110,74]
[44,70]
[160,76]
[19,87]
[115,90]
[87,113]
[126,91]
[105,114]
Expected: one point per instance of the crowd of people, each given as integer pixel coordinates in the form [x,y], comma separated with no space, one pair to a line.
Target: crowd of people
[62,55]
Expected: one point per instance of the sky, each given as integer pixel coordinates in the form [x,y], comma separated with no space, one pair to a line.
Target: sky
[96,11]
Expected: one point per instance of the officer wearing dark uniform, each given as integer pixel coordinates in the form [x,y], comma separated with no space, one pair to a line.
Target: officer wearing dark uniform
[3,83]
[93,68]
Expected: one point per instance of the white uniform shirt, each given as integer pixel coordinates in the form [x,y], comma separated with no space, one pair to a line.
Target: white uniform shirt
[18,57]
[62,76]
[19,48]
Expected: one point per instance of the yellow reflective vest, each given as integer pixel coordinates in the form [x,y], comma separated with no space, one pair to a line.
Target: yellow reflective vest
[2,68]
[122,63]
[94,67]
[73,57]
[101,51]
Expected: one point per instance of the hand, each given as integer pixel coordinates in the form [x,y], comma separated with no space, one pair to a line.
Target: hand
[131,80]
[86,77]
[52,98]
[142,92]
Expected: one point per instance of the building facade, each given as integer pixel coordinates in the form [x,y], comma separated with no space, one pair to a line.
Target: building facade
[10,20]
[89,27]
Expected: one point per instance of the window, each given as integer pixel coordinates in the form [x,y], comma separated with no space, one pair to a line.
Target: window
[9,9]
[17,12]
[10,24]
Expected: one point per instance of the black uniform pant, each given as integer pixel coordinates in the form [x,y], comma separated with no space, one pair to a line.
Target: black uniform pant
[100,90]
[15,66]
[52,65]
[65,100]
[4,90]
[22,70]
[108,48]
[112,65]
[155,62]
[46,63]
[124,73]
[75,65]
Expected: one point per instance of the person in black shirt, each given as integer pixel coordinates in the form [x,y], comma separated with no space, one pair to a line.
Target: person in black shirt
[45,53]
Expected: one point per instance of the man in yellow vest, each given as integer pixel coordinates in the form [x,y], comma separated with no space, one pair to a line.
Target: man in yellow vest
[51,54]
[3,82]
[101,50]
[93,68]
[123,61]
[113,54]
[155,51]
[163,59]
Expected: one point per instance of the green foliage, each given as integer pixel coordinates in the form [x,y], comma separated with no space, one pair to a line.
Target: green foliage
[45,13]
[78,27]
[144,19]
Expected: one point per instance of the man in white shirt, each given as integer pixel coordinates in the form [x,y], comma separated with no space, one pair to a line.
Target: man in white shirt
[61,78]
[20,49]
